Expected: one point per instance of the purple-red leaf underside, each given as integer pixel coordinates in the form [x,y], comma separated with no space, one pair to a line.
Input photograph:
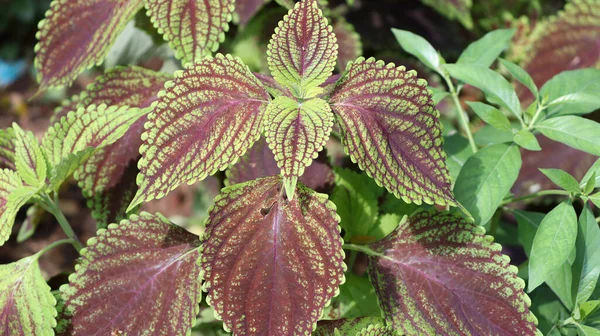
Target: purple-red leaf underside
[140,277]
[246,9]
[391,128]
[350,46]
[439,274]
[285,258]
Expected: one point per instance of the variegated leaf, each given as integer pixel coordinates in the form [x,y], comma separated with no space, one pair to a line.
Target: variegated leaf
[139,277]
[345,326]
[193,28]
[26,304]
[303,50]
[7,149]
[13,195]
[285,257]
[439,274]
[377,330]
[390,127]
[30,162]
[76,35]
[453,9]
[204,121]
[296,132]
[350,46]
[246,9]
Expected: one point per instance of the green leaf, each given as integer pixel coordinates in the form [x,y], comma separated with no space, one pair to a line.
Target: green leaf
[30,162]
[561,283]
[7,149]
[553,242]
[356,204]
[496,88]
[594,171]
[528,224]
[583,83]
[595,198]
[26,304]
[420,48]
[527,140]
[357,298]
[346,326]
[520,75]
[458,150]
[491,115]
[303,50]
[459,9]
[193,28]
[13,195]
[485,50]
[590,184]
[437,95]
[583,330]
[296,132]
[562,179]
[68,165]
[588,308]
[486,178]
[488,135]
[577,132]
[587,261]
[31,222]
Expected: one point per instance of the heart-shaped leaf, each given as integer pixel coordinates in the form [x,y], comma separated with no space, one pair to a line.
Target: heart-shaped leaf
[303,50]
[284,256]
[193,28]
[391,129]
[204,121]
[136,278]
[296,132]
[439,274]
[76,35]
[7,149]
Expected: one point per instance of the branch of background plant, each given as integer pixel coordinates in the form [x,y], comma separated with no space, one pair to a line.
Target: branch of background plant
[534,195]
[51,205]
[462,116]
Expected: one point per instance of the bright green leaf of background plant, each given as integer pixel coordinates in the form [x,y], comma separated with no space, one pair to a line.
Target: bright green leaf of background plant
[491,115]
[527,140]
[587,262]
[458,150]
[583,82]
[594,169]
[30,162]
[577,132]
[356,299]
[562,179]
[459,9]
[487,49]
[420,48]
[520,75]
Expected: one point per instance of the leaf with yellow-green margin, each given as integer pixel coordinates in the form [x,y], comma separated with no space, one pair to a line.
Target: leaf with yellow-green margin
[351,326]
[139,277]
[7,149]
[13,195]
[438,274]
[296,132]
[76,35]
[26,303]
[391,128]
[303,50]
[284,257]
[30,162]
[193,28]
[206,118]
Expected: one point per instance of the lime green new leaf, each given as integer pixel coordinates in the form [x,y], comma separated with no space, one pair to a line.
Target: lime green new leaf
[486,178]
[592,173]
[520,75]
[68,165]
[7,149]
[568,87]
[391,129]
[420,48]
[193,28]
[487,49]
[13,195]
[553,242]
[527,140]
[587,262]
[588,308]
[303,50]
[203,121]
[296,133]
[76,35]
[26,304]
[459,9]
[31,222]
[30,162]
[574,131]
[491,115]
[496,88]
[562,179]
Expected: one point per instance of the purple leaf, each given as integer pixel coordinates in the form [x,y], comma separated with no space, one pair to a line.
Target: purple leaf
[439,274]
[138,277]
[350,46]
[283,257]
[246,9]
[390,127]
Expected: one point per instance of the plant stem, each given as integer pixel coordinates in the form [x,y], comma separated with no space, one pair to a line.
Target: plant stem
[537,114]
[537,194]
[361,248]
[352,260]
[462,116]
[52,207]
[55,244]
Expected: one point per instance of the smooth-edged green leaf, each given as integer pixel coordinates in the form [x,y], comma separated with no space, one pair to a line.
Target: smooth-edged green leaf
[561,283]
[356,299]
[7,149]
[595,198]
[496,88]
[574,131]
[562,179]
[26,304]
[528,224]
[587,262]
[520,75]
[420,48]
[303,50]
[565,86]
[554,240]
[588,308]
[527,140]
[486,178]
[594,171]
[487,49]
[139,277]
[76,35]
[193,28]
[439,274]
[13,195]
[342,327]
[348,40]
[392,130]
[437,94]
[488,135]
[584,330]
[589,186]
[206,118]
[284,256]
[453,9]
[356,201]
[491,115]
[31,222]
[458,150]
[296,132]
[30,162]
[548,309]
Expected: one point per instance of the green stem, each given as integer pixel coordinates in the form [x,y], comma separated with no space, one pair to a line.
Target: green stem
[362,248]
[537,114]
[55,244]
[462,116]
[537,194]
[52,207]
[352,260]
